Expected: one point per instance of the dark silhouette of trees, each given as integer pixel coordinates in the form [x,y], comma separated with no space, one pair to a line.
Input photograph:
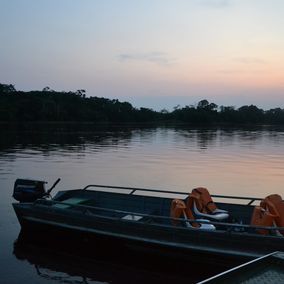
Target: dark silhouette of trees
[49,105]
[251,114]
[7,89]
[274,116]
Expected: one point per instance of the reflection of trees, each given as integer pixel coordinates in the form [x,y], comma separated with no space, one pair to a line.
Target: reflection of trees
[250,135]
[77,138]
[204,137]
[209,137]
[70,137]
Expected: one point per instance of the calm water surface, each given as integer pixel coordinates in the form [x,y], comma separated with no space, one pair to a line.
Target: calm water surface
[247,162]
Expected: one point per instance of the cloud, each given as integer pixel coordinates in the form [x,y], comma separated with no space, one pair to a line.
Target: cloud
[159,58]
[244,68]
[214,3]
[250,60]
[240,71]
[230,71]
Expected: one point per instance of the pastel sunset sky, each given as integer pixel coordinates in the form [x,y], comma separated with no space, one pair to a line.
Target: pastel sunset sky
[152,53]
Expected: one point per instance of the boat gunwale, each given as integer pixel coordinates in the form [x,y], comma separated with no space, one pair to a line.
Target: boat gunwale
[229,226]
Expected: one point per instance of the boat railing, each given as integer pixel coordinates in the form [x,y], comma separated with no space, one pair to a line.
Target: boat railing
[135,189]
[90,210]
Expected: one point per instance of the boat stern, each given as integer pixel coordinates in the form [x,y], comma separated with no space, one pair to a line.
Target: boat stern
[20,209]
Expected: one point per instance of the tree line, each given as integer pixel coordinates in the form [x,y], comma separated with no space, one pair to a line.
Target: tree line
[52,106]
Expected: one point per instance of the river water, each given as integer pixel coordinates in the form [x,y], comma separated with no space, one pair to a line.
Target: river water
[232,161]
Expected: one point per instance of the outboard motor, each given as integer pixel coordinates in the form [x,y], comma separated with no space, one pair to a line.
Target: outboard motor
[26,190]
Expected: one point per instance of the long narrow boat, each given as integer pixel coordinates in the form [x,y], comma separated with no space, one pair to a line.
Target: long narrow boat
[142,217]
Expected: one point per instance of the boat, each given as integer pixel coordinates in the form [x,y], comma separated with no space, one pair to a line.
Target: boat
[265,269]
[150,219]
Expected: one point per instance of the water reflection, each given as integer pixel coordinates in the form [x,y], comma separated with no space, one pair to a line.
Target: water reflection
[227,160]
[230,161]
[69,262]
[51,138]
[47,141]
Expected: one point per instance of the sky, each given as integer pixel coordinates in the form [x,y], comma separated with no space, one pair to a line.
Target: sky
[152,53]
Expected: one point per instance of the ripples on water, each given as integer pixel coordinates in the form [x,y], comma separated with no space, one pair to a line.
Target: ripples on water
[238,161]
[247,162]
[227,161]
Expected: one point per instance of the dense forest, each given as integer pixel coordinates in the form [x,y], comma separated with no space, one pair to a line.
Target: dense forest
[52,106]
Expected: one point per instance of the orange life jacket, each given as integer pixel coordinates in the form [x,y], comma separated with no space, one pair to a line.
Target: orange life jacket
[179,210]
[262,217]
[275,205]
[269,213]
[202,199]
